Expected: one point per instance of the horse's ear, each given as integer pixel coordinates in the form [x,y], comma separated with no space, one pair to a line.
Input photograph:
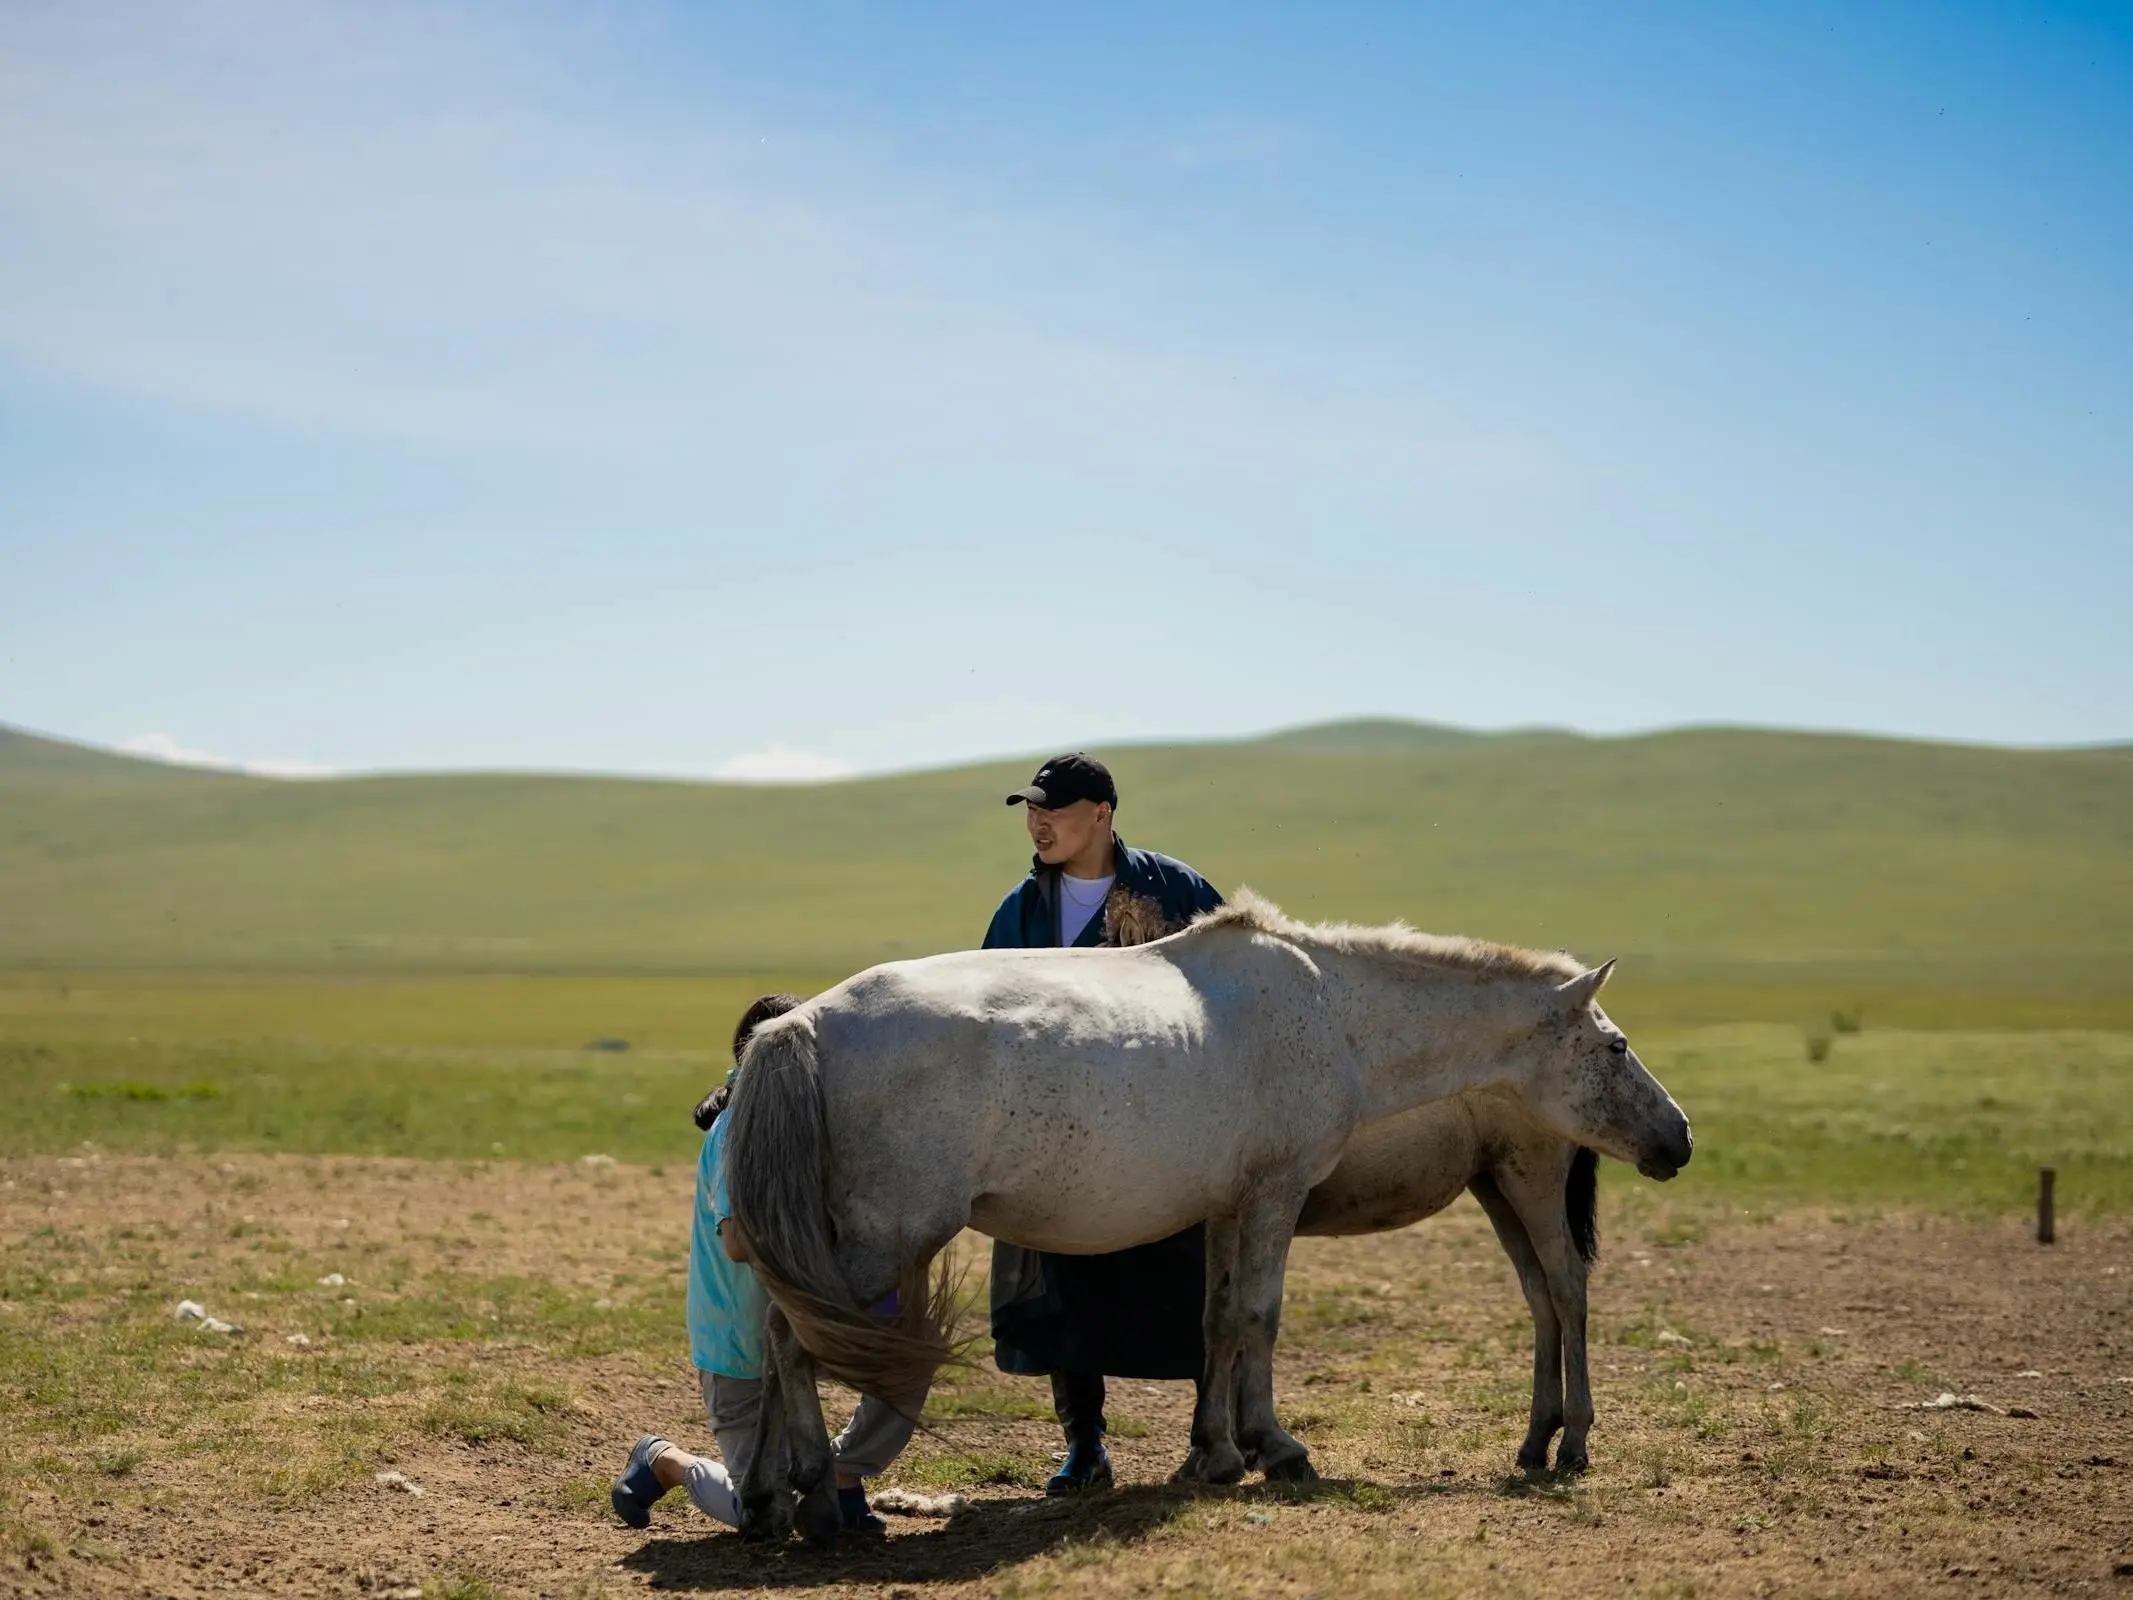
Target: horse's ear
[1578,992]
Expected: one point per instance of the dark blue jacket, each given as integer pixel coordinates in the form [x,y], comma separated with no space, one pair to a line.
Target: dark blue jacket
[1028,919]
[1134,1313]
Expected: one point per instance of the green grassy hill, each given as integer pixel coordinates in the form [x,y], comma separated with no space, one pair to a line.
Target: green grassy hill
[30,762]
[1738,873]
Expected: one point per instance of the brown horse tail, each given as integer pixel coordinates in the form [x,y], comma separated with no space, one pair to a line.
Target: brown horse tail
[1581,1203]
[777,1179]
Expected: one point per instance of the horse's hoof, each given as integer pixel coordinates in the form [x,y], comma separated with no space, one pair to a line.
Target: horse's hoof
[1569,1460]
[1533,1454]
[1292,1469]
[820,1519]
[760,1522]
[1222,1464]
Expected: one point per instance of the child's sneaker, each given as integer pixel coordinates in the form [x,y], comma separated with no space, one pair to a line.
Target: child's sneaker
[859,1517]
[638,1489]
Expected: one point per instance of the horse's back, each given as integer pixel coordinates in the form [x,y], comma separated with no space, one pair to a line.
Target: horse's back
[1123,1002]
[1138,1082]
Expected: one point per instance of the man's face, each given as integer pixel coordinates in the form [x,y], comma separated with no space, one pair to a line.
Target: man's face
[1063,834]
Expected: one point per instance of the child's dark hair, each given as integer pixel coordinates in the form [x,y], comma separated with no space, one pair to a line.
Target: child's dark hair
[761,1011]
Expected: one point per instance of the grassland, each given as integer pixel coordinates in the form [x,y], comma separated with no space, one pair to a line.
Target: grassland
[259,1037]
[474,1067]
[1740,875]
[494,1333]
[437,1067]
[416,966]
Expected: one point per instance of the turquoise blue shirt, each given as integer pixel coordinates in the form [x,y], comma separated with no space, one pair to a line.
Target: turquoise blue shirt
[726,1304]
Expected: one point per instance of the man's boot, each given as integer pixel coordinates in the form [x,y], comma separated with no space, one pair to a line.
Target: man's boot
[1078,1398]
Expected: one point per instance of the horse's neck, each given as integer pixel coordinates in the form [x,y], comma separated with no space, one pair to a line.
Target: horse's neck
[1422,1033]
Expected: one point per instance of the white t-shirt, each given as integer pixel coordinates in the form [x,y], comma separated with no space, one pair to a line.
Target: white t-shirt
[1080,899]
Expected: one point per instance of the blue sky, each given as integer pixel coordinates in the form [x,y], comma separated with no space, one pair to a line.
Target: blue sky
[696,389]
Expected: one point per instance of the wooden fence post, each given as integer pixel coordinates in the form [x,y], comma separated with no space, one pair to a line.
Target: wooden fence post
[2045,1178]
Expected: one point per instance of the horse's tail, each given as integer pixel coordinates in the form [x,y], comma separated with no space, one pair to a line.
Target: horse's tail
[1581,1203]
[777,1177]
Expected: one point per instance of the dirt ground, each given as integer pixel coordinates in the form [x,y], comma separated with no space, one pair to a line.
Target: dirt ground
[503,1333]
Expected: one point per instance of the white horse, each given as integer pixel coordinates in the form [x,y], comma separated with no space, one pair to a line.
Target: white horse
[1539,1191]
[1085,1101]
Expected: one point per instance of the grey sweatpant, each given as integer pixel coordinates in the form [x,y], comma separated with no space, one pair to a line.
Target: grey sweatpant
[874,1437]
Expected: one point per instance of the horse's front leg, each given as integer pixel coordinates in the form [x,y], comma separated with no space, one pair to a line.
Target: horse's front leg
[1512,1231]
[1538,1195]
[1214,1456]
[1263,1260]
[1568,1291]
[766,1498]
[809,1462]
[1566,1275]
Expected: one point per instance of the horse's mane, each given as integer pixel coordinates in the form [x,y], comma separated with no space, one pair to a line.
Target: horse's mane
[1257,914]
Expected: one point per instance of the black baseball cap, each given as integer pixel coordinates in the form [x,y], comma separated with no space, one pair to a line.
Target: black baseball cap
[1064,779]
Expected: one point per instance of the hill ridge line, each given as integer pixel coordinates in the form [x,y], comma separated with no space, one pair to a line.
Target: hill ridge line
[1372,735]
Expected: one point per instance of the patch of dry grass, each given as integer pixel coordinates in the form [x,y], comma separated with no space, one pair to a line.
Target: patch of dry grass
[513,1330]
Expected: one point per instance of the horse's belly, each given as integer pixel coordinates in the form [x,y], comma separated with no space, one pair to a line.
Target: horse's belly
[1337,1207]
[1092,1218]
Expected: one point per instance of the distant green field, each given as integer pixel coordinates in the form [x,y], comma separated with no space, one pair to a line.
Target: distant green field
[457,1066]
[1740,875]
[480,1067]
[418,965]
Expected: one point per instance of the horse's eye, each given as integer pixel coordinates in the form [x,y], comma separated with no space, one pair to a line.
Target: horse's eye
[1619,1045]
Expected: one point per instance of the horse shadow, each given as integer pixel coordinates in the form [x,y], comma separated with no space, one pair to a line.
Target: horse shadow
[989,1536]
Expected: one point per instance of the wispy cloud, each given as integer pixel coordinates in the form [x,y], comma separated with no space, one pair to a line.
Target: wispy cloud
[780,765]
[163,747]
[385,222]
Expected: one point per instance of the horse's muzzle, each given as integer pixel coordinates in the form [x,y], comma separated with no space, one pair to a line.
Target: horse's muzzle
[1667,1160]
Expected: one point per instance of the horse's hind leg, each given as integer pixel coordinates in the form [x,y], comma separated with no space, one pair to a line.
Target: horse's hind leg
[1263,1259]
[1547,1413]
[1214,1456]
[766,1498]
[807,1444]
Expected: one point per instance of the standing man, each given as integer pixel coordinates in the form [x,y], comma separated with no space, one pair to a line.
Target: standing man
[1135,1313]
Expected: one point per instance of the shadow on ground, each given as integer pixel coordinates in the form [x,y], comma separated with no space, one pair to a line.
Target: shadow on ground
[991,1535]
